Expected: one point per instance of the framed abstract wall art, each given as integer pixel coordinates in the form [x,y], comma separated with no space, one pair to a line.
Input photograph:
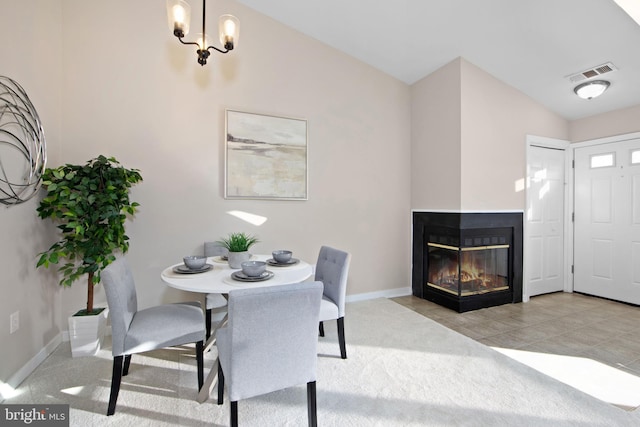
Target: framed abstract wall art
[265,157]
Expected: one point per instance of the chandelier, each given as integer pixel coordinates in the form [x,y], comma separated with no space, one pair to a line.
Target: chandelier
[179,15]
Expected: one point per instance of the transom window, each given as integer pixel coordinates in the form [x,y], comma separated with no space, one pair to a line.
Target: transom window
[604,160]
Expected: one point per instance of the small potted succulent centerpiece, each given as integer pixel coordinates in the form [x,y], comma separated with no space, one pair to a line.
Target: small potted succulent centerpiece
[238,245]
[89,203]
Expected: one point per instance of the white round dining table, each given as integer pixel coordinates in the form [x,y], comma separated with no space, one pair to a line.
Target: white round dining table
[218,279]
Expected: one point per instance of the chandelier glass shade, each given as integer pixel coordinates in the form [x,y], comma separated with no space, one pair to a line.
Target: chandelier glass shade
[179,19]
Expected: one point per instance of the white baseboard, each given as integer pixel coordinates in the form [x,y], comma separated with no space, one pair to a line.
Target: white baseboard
[6,389]
[389,293]
[22,373]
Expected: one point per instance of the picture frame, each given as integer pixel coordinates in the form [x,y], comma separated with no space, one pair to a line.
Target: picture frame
[266,157]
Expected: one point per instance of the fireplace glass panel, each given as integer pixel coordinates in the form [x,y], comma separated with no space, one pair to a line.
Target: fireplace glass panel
[468,271]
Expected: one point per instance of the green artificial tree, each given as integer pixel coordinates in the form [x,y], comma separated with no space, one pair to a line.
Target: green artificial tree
[90,204]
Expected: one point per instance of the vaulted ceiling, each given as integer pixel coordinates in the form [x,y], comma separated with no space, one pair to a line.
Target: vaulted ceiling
[532,45]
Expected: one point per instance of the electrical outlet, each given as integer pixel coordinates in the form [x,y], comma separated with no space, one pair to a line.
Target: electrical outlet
[14,321]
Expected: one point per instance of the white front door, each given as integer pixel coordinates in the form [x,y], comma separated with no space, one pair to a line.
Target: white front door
[607,220]
[545,220]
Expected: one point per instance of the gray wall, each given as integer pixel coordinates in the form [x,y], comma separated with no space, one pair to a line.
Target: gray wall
[31,54]
[626,120]
[468,140]
[436,142]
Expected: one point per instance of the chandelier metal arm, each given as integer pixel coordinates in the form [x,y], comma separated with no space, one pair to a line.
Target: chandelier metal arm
[226,49]
[219,50]
[188,43]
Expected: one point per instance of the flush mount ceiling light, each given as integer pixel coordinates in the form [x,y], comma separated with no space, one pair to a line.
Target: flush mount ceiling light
[179,15]
[591,89]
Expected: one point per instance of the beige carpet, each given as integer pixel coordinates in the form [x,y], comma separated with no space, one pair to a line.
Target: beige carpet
[403,370]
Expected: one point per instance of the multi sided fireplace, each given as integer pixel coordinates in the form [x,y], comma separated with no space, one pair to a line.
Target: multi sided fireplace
[467,261]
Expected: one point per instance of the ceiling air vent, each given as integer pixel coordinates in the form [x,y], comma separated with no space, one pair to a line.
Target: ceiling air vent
[592,72]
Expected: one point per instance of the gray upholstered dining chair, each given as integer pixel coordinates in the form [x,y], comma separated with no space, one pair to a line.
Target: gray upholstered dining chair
[332,270]
[270,343]
[215,304]
[136,331]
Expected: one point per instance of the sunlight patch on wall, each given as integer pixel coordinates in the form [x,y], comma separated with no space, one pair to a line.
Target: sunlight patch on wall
[249,217]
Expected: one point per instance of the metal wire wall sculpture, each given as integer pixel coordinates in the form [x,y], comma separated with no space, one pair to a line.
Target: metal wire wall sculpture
[23,151]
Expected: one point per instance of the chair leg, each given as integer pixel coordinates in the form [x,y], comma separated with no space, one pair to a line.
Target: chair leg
[311,404]
[200,363]
[220,384]
[207,322]
[234,414]
[321,329]
[127,362]
[343,346]
[116,378]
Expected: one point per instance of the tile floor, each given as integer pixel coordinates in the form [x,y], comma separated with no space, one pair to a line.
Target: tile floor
[568,324]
